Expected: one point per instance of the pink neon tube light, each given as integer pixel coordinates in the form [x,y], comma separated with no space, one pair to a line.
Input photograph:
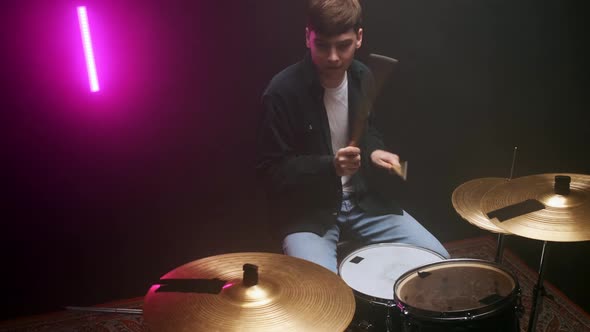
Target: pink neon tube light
[88,52]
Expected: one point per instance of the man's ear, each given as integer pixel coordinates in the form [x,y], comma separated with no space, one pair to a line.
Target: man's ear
[359,38]
[307,43]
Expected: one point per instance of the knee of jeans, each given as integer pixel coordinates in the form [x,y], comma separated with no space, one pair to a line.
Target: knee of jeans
[445,254]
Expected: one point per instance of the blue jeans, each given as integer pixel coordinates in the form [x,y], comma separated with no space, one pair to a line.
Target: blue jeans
[367,229]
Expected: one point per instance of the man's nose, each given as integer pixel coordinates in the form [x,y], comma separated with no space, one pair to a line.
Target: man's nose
[333,55]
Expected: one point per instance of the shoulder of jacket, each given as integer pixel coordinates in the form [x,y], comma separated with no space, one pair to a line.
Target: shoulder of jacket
[287,81]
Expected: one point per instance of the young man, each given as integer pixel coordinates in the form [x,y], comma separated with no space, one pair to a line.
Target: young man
[319,175]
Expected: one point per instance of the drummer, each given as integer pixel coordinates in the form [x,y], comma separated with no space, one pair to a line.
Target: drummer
[320,183]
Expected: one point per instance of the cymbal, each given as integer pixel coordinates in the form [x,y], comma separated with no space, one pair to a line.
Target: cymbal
[287,294]
[467,198]
[564,218]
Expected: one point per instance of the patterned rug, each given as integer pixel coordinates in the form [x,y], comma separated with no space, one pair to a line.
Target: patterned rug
[558,313]
[78,321]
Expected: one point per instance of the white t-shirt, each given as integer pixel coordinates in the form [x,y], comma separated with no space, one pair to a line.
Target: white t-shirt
[336,103]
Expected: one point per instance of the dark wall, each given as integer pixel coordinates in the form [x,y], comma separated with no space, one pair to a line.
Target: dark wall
[103,193]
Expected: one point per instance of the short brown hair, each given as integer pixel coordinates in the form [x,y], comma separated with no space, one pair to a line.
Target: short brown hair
[333,17]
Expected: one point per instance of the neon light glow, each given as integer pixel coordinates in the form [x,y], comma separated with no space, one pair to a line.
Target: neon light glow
[88,52]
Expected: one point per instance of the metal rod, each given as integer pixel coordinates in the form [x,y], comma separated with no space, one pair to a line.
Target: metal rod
[538,291]
[108,310]
[501,237]
[500,249]
[513,163]
[388,321]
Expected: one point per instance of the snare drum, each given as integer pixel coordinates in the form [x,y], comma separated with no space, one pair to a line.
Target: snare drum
[371,272]
[459,295]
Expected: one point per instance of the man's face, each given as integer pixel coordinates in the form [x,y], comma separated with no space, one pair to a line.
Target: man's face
[333,55]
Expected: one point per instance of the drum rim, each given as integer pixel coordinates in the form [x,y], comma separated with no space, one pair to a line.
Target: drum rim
[470,314]
[375,299]
[386,244]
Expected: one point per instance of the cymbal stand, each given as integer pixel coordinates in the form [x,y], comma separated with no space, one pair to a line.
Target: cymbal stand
[500,248]
[538,291]
[501,236]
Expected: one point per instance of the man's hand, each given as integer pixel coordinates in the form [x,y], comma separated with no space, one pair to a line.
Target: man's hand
[347,161]
[386,160]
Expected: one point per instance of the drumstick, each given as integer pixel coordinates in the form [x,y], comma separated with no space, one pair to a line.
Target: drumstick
[401,170]
[382,67]
[107,310]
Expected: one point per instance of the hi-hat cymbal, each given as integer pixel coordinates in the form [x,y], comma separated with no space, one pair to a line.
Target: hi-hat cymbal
[467,198]
[564,218]
[289,294]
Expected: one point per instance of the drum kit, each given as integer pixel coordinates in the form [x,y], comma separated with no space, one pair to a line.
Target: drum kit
[381,287]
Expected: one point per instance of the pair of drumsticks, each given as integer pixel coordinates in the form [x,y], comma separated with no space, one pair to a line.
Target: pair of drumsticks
[383,66]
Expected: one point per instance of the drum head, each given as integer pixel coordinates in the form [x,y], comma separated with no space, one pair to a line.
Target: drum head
[455,285]
[373,270]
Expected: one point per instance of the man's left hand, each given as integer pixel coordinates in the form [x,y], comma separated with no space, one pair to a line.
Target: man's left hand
[386,160]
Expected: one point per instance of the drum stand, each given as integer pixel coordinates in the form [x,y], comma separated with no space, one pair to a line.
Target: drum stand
[500,248]
[538,291]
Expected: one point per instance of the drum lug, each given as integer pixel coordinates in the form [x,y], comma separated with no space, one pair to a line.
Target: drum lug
[518,307]
[401,307]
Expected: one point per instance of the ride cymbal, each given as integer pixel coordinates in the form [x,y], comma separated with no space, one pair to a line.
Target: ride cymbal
[560,209]
[467,198]
[275,293]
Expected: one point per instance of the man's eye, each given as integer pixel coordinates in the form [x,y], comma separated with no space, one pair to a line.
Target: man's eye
[343,47]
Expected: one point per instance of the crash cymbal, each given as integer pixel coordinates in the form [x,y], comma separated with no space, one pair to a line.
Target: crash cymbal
[560,217]
[281,293]
[467,198]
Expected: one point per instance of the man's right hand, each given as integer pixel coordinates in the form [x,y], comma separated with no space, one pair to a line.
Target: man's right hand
[347,161]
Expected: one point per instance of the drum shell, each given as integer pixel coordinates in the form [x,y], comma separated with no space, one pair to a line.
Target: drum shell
[499,316]
[394,259]
[373,314]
